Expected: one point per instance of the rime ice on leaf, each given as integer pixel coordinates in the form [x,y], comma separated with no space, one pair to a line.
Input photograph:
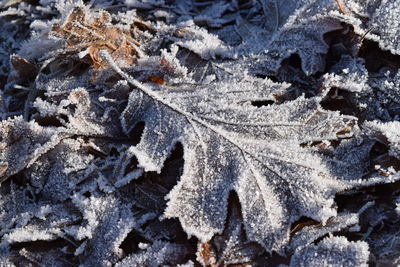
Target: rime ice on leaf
[301,34]
[25,220]
[269,155]
[160,253]
[108,223]
[22,143]
[264,19]
[348,74]
[390,131]
[310,234]
[376,96]
[307,42]
[352,157]
[56,172]
[377,20]
[201,42]
[386,23]
[384,98]
[332,251]
[232,145]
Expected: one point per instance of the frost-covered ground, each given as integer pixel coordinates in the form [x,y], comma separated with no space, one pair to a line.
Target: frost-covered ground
[214,133]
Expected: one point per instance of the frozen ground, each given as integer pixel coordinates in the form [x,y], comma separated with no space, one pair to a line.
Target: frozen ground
[214,133]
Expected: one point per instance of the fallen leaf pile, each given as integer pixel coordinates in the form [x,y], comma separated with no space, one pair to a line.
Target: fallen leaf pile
[199,133]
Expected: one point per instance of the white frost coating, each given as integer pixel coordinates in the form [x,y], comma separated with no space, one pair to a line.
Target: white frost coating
[29,234]
[348,74]
[310,234]
[72,174]
[159,253]
[386,22]
[187,264]
[256,153]
[32,141]
[375,20]
[145,162]
[331,252]
[297,31]
[391,131]
[201,42]
[129,177]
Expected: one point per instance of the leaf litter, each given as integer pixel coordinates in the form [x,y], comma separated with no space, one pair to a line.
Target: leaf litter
[97,101]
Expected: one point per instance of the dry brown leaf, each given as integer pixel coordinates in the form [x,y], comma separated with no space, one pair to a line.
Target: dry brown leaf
[158,79]
[23,66]
[342,7]
[207,254]
[93,35]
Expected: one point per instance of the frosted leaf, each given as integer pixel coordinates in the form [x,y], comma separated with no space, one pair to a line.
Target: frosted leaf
[16,17]
[160,253]
[11,37]
[310,234]
[28,221]
[352,157]
[254,150]
[386,23]
[332,251]
[70,192]
[54,256]
[253,37]
[20,215]
[200,41]
[22,143]
[120,175]
[30,233]
[108,223]
[55,173]
[390,131]
[348,74]
[213,15]
[83,117]
[276,13]
[384,241]
[377,20]
[86,114]
[307,42]
[301,34]
[384,100]
[257,30]
[144,4]
[372,96]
